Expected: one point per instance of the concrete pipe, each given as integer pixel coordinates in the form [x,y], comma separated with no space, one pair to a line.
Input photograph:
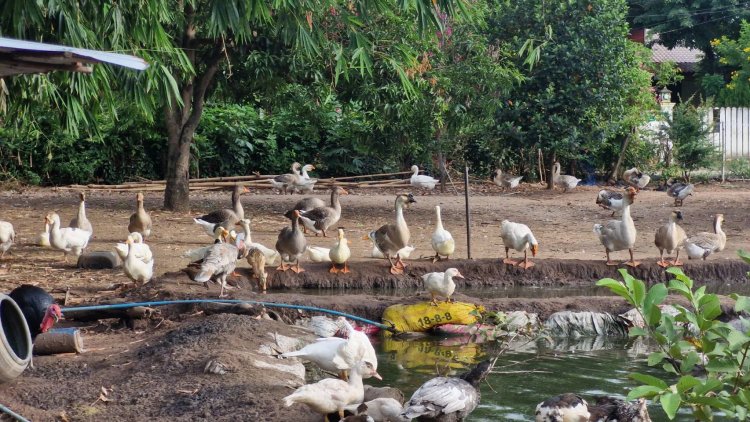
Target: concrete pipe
[15,340]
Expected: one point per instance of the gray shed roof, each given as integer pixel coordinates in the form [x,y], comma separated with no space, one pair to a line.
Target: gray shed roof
[19,57]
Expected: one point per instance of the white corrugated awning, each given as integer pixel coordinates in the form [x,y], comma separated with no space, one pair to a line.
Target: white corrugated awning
[19,57]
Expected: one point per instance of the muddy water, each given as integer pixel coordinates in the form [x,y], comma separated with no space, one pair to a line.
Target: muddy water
[588,367]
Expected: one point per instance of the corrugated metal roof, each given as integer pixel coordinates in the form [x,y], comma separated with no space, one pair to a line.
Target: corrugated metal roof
[18,57]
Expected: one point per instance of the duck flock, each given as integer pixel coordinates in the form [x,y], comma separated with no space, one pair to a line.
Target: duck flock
[350,354]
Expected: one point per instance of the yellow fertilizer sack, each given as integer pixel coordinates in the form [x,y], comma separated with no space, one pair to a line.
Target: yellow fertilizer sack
[423,316]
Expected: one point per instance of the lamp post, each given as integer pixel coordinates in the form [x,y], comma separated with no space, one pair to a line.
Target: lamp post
[665,95]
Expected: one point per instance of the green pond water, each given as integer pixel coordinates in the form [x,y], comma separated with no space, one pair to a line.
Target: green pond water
[588,367]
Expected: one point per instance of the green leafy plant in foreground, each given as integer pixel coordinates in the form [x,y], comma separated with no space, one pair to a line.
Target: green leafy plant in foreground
[705,360]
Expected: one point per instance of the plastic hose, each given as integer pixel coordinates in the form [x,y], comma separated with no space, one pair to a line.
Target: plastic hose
[252,302]
[13,414]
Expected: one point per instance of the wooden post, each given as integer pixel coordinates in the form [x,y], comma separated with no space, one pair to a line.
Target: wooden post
[468,216]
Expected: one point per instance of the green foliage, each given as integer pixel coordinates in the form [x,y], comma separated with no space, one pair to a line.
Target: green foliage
[689,132]
[739,168]
[692,340]
[736,55]
[589,88]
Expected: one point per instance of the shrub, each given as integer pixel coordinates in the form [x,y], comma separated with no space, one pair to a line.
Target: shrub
[739,168]
[692,147]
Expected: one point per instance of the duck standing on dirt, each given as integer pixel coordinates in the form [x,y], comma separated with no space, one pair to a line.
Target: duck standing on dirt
[679,191]
[670,237]
[448,399]
[80,221]
[66,239]
[572,407]
[318,220]
[291,243]
[441,284]
[518,237]
[331,394]
[140,220]
[225,217]
[618,235]
[635,178]
[219,262]
[7,237]
[391,238]
[340,254]
[703,244]
[442,240]
[610,200]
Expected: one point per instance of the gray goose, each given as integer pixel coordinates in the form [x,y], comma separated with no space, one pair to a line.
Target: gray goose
[703,244]
[307,204]
[226,218]
[219,262]
[679,191]
[291,243]
[283,182]
[390,238]
[80,221]
[318,220]
[636,178]
[670,237]
[610,200]
[448,399]
[140,220]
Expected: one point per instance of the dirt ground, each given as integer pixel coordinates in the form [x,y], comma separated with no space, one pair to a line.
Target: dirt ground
[155,371]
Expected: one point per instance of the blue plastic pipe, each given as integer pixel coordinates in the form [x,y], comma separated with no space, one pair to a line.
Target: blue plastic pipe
[12,414]
[252,302]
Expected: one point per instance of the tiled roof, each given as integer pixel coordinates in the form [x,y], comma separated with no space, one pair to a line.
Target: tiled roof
[685,57]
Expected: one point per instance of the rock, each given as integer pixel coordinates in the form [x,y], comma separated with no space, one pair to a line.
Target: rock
[99,260]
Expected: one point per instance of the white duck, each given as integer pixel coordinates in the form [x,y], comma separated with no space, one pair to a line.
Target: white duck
[135,265]
[704,244]
[442,240]
[318,254]
[42,239]
[339,355]
[67,239]
[380,410]
[441,284]
[563,180]
[505,180]
[7,237]
[272,256]
[198,254]
[421,180]
[141,250]
[333,395]
[518,237]
[618,235]
[340,254]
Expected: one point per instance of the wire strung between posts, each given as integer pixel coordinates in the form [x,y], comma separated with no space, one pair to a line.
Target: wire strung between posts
[233,301]
[12,414]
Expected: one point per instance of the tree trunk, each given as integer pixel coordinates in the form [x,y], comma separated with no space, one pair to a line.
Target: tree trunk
[177,191]
[612,178]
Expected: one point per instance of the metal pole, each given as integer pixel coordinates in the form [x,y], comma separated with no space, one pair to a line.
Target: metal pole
[723,135]
[468,216]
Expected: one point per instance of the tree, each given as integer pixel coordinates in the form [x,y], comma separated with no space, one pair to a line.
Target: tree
[190,42]
[735,53]
[690,23]
[589,87]
[690,134]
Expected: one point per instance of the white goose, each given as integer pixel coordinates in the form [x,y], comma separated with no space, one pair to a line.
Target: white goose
[441,284]
[340,254]
[518,237]
[333,395]
[42,239]
[7,237]
[141,250]
[563,180]
[421,180]
[618,235]
[404,252]
[304,184]
[135,267]
[318,254]
[67,239]
[380,409]
[442,240]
